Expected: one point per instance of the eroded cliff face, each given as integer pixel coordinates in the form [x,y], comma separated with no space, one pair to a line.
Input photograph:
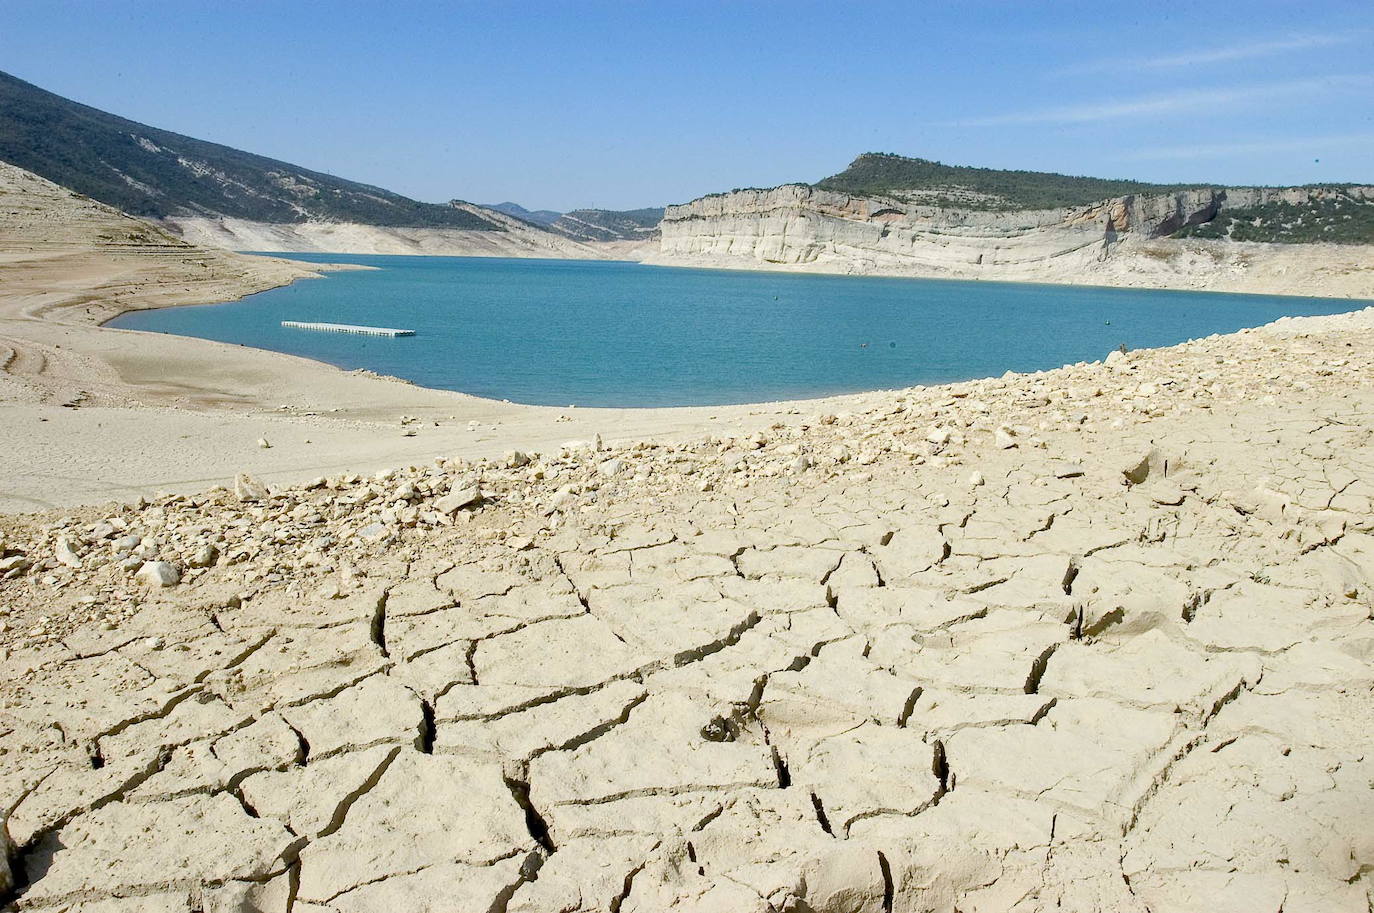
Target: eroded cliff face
[800,227]
[795,224]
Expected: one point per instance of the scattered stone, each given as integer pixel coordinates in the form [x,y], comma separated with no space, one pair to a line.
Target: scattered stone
[1167,494]
[248,488]
[158,574]
[459,498]
[374,532]
[65,554]
[205,556]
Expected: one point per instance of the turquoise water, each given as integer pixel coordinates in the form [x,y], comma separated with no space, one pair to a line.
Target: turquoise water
[595,333]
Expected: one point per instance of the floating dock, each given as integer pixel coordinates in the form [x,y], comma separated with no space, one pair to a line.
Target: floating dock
[346,328]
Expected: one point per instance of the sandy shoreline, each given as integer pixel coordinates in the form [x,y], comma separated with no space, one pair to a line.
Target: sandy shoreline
[113,414]
[99,413]
[154,413]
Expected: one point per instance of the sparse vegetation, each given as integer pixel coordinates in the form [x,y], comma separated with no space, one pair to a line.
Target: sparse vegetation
[921,180]
[609,224]
[1337,218]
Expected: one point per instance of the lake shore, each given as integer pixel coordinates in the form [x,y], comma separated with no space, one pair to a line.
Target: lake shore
[94,413]
[103,414]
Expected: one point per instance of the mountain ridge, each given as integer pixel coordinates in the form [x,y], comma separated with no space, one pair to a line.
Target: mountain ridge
[154,173]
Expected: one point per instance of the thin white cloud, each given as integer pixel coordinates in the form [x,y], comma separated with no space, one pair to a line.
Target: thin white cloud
[1167,103]
[1218,54]
[1312,144]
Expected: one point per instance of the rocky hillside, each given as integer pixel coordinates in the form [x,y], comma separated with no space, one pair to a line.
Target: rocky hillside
[610,224]
[52,241]
[221,197]
[909,216]
[599,225]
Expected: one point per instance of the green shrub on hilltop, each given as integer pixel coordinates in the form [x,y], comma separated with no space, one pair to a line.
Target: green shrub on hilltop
[885,174]
[1337,218]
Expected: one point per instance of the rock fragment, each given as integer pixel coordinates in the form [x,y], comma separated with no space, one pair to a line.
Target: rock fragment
[248,488]
[459,498]
[158,574]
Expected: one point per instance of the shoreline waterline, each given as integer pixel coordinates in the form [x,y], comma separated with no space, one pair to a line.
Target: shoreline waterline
[620,335]
[152,412]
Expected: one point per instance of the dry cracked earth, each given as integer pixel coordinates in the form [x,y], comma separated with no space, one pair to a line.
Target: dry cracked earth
[1097,639]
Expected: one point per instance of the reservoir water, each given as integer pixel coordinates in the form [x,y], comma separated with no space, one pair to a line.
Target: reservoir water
[597,333]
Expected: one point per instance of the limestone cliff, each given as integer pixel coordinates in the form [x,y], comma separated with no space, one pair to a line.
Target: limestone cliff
[1116,241]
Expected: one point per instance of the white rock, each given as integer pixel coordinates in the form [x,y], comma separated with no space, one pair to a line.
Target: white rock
[205,556]
[459,498]
[65,554]
[125,543]
[373,532]
[248,488]
[158,574]
[14,563]
[612,467]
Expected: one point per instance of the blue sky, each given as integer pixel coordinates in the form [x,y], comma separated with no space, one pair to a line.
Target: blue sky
[623,104]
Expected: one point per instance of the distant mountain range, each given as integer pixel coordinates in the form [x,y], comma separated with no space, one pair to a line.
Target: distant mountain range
[537,216]
[591,224]
[158,174]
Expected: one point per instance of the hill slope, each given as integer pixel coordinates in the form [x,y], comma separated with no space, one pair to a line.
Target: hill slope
[155,173]
[609,224]
[543,217]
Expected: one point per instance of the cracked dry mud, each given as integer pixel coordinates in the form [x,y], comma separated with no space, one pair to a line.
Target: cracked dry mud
[1093,639]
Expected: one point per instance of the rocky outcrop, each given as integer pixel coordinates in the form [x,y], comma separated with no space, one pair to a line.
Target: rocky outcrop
[796,224]
[801,227]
